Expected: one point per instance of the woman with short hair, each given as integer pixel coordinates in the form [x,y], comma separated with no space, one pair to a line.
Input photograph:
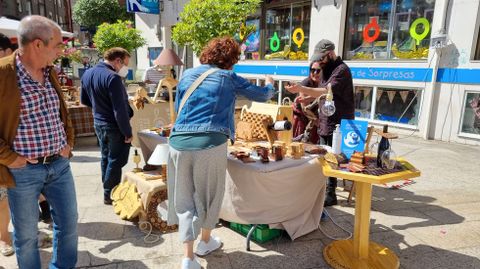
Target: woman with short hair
[198,144]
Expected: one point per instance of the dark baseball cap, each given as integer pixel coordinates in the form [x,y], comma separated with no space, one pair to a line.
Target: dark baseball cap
[323,47]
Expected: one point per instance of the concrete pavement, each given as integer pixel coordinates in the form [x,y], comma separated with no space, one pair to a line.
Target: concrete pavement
[433,223]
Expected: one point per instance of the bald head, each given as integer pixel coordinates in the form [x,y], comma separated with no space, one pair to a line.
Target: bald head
[36,27]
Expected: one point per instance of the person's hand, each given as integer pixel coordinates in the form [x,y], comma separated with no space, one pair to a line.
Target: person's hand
[269,80]
[305,99]
[65,152]
[128,140]
[293,87]
[21,162]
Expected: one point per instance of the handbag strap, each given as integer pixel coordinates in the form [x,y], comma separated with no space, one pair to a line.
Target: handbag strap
[194,86]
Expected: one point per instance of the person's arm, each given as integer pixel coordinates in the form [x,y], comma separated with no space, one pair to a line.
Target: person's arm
[84,98]
[145,77]
[7,155]
[253,92]
[118,98]
[313,92]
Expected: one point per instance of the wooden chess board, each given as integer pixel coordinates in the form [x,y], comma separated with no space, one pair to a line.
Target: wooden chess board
[372,169]
[258,132]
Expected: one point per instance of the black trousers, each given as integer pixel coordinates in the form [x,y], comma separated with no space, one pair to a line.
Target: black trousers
[332,181]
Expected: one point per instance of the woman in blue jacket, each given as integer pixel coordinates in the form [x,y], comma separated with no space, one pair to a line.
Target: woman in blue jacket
[198,144]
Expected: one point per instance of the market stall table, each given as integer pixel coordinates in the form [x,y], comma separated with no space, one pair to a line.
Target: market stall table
[361,252]
[257,193]
[82,120]
[148,140]
[152,193]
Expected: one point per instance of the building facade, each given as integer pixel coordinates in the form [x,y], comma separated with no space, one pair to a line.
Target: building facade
[415,63]
[58,10]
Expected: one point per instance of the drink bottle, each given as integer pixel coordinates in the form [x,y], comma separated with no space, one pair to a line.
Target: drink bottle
[337,140]
[283,125]
[382,147]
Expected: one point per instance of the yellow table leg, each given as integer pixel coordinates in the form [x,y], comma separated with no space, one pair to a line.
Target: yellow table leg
[363,197]
[360,252]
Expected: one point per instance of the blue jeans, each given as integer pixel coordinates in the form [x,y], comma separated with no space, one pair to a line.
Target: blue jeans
[55,181]
[114,155]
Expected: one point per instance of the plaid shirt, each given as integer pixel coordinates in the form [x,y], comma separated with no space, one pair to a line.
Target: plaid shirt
[40,131]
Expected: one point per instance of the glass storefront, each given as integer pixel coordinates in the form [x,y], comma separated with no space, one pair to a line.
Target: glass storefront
[395,105]
[285,31]
[388,29]
[471,114]
[363,101]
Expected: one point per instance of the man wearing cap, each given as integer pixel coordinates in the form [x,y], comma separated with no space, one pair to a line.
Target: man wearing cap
[338,74]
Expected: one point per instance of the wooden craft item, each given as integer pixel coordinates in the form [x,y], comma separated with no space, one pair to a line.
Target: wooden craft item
[263,154]
[278,152]
[357,157]
[281,144]
[126,200]
[256,119]
[271,134]
[141,97]
[152,175]
[297,150]
[152,215]
[386,135]
[244,130]
[277,113]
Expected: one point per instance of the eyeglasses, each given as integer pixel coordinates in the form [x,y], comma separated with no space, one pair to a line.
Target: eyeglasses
[315,70]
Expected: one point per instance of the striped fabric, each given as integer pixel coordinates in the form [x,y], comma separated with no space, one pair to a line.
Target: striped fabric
[154,74]
[40,130]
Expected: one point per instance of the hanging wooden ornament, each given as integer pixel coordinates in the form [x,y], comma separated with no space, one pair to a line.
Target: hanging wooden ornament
[379,94]
[391,95]
[404,95]
[366,92]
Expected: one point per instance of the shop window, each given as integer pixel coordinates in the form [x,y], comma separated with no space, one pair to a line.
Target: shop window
[471,114]
[388,29]
[397,105]
[477,50]
[363,102]
[287,30]
[251,47]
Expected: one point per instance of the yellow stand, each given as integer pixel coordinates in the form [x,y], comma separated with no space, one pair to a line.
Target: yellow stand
[361,253]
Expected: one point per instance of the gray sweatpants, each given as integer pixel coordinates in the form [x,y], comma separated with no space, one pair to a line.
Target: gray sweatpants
[196,185]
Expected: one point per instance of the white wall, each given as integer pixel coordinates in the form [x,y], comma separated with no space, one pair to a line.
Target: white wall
[148,25]
[462,33]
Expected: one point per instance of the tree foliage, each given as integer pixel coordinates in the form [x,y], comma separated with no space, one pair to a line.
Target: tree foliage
[120,34]
[202,20]
[91,13]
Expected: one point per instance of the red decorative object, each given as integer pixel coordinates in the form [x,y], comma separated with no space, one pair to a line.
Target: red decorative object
[373,24]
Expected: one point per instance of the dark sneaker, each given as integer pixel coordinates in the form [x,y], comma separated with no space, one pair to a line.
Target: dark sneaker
[107,201]
[330,200]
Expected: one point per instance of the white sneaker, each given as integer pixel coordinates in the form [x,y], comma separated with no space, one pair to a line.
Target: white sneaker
[205,248]
[190,264]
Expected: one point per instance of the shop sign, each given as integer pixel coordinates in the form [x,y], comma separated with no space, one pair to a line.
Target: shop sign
[143,6]
[401,74]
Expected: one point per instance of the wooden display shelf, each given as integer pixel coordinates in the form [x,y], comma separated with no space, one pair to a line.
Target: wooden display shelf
[360,252]
[409,172]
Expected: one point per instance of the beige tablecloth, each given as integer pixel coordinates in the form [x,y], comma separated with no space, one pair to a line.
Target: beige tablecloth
[288,194]
[289,198]
[148,140]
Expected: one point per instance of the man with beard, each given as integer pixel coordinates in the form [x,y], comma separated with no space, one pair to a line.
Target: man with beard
[338,74]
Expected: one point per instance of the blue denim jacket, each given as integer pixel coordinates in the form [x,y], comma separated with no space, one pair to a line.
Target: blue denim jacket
[211,107]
